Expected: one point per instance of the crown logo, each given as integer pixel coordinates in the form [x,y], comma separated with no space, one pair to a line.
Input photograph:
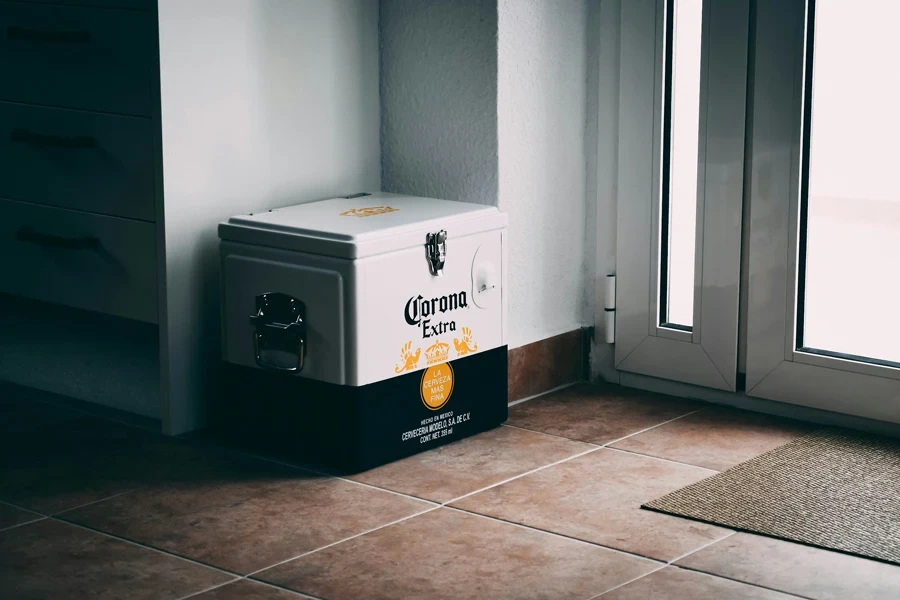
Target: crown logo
[370,211]
[437,352]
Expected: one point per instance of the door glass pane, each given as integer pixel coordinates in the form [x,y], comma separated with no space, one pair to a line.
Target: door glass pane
[851,286]
[680,189]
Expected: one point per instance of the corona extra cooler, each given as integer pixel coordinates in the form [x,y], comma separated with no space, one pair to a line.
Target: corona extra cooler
[359,330]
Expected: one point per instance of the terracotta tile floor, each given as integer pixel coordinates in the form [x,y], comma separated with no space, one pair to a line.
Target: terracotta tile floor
[546,506]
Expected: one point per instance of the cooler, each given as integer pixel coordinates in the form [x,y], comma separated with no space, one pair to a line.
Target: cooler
[362,329]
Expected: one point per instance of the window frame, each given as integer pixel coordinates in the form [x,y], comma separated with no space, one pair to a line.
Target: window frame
[777,367]
[707,355]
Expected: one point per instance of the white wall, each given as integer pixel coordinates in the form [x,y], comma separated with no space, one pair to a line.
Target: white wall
[439,98]
[484,101]
[541,98]
[264,103]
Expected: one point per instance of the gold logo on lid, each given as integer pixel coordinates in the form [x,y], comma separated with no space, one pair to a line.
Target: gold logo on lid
[437,352]
[370,211]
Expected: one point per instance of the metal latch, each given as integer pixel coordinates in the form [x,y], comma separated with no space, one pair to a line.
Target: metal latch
[279,326]
[436,250]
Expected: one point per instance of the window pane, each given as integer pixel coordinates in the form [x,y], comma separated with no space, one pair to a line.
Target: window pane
[682,196]
[852,279]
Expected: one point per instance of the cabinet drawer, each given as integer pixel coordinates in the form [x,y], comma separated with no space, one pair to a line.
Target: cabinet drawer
[76,57]
[88,261]
[87,161]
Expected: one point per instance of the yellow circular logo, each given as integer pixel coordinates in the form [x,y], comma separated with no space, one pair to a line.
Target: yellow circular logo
[437,385]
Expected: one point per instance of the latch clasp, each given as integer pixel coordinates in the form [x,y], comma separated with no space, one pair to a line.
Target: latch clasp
[436,251]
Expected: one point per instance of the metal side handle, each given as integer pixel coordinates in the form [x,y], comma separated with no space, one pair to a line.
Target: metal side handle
[279,325]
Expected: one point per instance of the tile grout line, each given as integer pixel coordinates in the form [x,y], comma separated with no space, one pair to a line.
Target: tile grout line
[209,589]
[617,440]
[560,535]
[254,581]
[667,566]
[668,460]
[310,469]
[562,437]
[755,585]
[11,505]
[381,489]
[607,444]
[375,487]
[629,582]
[594,449]
[280,587]
[556,389]
[39,515]
[672,564]
[147,547]
[86,504]
[513,478]
[39,518]
[335,543]
[236,576]
[439,504]
[695,550]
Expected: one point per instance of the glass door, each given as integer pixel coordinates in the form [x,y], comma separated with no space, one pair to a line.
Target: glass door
[682,99]
[825,208]
[850,204]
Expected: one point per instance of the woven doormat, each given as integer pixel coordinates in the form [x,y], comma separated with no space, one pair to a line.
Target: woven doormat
[834,489]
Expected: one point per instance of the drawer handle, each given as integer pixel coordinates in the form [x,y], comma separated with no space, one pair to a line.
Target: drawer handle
[78,142]
[24,34]
[46,240]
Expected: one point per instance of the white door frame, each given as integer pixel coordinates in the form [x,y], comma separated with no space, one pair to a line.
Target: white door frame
[776,370]
[707,355]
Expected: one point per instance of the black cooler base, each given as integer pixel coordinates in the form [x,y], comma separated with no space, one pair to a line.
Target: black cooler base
[351,429]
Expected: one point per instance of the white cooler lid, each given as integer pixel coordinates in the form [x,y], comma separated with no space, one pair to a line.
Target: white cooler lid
[360,226]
